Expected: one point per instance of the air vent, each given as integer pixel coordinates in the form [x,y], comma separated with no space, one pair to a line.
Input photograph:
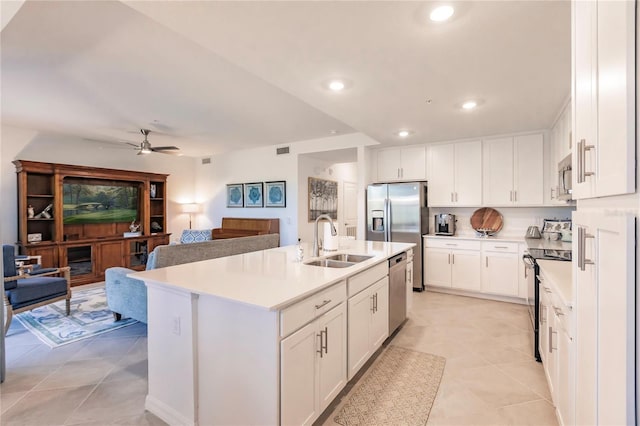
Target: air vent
[283,150]
[206,160]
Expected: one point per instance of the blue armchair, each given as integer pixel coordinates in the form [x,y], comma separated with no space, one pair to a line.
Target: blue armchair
[27,291]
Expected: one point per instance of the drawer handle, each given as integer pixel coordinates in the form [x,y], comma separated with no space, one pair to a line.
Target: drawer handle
[449,244]
[504,247]
[324,303]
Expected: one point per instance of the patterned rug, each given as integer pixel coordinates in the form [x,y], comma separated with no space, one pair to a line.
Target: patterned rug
[398,389]
[89,317]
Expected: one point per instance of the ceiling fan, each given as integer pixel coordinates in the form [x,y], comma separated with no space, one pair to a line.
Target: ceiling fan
[146,148]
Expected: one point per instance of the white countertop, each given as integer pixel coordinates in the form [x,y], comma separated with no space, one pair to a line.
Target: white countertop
[558,274]
[506,238]
[270,279]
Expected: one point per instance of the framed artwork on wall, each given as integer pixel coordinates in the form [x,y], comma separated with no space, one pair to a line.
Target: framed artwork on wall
[253,194]
[323,198]
[234,195]
[275,194]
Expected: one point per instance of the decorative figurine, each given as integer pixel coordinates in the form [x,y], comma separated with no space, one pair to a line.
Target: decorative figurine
[45,214]
[133,227]
[30,211]
[152,190]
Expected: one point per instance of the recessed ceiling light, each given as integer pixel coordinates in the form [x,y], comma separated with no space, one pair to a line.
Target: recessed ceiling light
[469,105]
[441,13]
[336,85]
[404,133]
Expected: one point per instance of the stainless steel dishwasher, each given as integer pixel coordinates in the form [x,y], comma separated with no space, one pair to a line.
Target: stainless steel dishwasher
[397,291]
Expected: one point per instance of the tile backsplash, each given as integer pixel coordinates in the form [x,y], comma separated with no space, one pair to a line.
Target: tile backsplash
[516,219]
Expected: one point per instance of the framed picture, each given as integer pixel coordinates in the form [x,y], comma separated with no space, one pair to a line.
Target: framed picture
[275,194]
[253,194]
[323,198]
[234,195]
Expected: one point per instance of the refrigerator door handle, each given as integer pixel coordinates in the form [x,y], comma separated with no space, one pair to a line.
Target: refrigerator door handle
[387,219]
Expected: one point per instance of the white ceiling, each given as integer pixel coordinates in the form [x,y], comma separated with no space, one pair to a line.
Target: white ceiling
[216,76]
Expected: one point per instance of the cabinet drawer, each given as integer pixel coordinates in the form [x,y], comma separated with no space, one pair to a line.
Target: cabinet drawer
[359,282]
[297,315]
[500,247]
[452,244]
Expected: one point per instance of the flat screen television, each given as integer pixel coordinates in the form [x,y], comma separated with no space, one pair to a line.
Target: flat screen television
[87,201]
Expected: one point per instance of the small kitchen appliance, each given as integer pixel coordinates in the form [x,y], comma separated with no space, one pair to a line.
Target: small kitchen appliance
[533,232]
[564,179]
[445,224]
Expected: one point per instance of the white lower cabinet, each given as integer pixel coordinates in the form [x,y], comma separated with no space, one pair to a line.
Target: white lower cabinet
[368,323]
[313,367]
[452,263]
[500,268]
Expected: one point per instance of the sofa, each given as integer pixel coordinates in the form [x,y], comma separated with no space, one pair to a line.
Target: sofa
[233,227]
[127,297]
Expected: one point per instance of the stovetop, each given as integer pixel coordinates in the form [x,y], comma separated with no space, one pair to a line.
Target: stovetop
[550,254]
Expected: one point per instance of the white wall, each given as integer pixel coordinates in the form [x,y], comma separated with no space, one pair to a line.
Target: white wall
[312,167]
[261,165]
[28,144]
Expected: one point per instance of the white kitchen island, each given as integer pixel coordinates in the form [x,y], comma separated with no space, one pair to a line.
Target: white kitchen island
[259,338]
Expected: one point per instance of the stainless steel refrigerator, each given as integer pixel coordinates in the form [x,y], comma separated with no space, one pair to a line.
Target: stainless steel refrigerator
[397,212]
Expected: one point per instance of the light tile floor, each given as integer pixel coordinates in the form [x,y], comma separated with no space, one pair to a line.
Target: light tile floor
[490,377]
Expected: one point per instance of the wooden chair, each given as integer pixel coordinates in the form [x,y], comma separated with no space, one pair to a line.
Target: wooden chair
[27,291]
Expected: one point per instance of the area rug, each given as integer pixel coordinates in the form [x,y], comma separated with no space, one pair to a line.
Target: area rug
[399,389]
[89,317]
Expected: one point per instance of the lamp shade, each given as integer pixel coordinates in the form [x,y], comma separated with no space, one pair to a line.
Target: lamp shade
[190,208]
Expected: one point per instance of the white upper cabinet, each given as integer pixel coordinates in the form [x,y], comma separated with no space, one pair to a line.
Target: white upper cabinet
[401,164]
[455,174]
[560,146]
[603,89]
[513,171]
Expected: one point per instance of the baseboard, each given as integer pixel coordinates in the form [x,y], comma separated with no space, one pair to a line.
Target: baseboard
[166,413]
[497,298]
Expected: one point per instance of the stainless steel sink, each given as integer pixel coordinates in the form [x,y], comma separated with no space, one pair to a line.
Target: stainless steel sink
[346,257]
[329,263]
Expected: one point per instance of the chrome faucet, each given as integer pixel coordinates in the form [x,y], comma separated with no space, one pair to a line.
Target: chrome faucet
[316,243]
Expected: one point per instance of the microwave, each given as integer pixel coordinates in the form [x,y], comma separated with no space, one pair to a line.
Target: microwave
[564,179]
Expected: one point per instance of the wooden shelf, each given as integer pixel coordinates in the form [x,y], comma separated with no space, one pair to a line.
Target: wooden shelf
[40,218]
[40,195]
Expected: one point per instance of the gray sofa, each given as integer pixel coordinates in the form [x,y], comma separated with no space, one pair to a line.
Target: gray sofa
[127,297]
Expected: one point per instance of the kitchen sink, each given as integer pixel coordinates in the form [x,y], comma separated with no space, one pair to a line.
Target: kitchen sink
[346,257]
[329,263]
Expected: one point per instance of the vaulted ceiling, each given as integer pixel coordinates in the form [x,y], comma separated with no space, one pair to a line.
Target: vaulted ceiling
[215,76]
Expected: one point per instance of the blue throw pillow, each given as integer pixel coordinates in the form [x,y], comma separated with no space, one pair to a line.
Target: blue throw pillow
[195,235]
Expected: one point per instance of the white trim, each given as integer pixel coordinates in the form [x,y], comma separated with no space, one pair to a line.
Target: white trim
[166,413]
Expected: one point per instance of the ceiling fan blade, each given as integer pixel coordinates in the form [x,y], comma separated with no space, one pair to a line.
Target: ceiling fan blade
[170,152]
[165,148]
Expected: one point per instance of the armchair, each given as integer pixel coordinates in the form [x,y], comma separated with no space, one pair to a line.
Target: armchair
[27,291]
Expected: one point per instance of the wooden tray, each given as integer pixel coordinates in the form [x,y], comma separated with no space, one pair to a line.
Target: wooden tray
[486,221]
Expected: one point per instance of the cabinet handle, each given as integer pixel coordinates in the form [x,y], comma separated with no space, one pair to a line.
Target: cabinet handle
[324,303]
[582,238]
[551,348]
[486,261]
[401,172]
[449,259]
[551,195]
[326,340]
[453,259]
[515,196]
[456,197]
[452,197]
[373,303]
[375,300]
[582,160]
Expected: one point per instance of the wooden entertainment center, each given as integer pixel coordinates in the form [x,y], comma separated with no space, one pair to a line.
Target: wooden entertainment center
[89,246]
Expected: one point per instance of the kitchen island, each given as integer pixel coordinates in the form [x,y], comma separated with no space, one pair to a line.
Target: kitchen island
[260,338]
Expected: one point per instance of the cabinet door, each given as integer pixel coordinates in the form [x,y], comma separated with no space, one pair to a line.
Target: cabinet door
[497,162]
[543,326]
[441,174]
[388,165]
[332,376]
[380,315]
[298,390]
[468,173]
[412,163]
[565,400]
[109,254]
[359,350]
[437,267]
[529,170]
[500,274]
[465,270]
[604,274]
[552,356]
[615,146]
